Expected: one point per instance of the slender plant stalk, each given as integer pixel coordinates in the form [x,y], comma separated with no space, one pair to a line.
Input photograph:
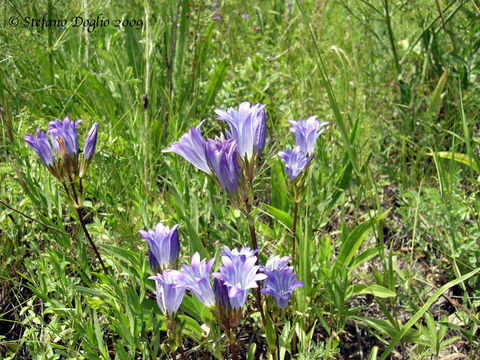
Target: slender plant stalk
[85,13]
[147,89]
[233,349]
[182,353]
[294,231]
[82,223]
[277,342]
[259,295]
[390,36]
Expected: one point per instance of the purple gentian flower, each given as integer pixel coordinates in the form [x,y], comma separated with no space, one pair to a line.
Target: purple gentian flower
[192,148]
[90,142]
[223,160]
[220,291]
[276,263]
[42,147]
[307,132]
[240,274]
[245,16]
[164,246]
[280,283]
[169,296]
[248,125]
[67,130]
[234,254]
[196,278]
[295,161]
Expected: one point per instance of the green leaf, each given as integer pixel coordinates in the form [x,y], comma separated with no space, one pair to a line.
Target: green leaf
[195,242]
[436,99]
[280,215]
[354,241]
[251,352]
[374,289]
[458,157]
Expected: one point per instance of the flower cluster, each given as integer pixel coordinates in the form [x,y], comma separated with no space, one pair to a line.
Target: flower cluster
[58,148]
[232,156]
[306,135]
[232,282]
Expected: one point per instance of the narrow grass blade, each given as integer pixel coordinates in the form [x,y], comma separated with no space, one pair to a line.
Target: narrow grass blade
[423,309]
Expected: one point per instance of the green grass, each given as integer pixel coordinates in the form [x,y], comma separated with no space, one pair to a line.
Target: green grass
[391,209]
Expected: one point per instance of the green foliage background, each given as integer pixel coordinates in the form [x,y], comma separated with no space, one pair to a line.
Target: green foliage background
[403,135]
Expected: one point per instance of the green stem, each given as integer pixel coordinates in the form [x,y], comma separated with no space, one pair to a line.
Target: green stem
[294,231]
[390,36]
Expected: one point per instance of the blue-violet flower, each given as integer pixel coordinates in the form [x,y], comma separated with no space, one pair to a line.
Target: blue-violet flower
[196,278]
[223,160]
[192,148]
[295,161]
[169,296]
[240,274]
[164,246]
[42,147]
[307,132]
[248,125]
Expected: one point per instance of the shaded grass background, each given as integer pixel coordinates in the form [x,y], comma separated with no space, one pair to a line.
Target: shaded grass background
[383,59]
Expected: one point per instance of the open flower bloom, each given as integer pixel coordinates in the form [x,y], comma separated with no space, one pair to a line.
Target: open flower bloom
[42,147]
[164,246]
[280,282]
[223,160]
[234,254]
[307,132]
[192,148]
[90,142]
[248,125]
[276,263]
[239,274]
[196,278]
[67,130]
[169,296]
[295,161]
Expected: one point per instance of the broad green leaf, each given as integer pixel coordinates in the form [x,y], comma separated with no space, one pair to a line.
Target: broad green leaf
[251,352]
[436,99]
[374,289]
[355,239]
[280,215]
[458,157]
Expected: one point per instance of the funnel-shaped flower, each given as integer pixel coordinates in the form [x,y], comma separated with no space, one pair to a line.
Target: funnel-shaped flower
[164,246]
[240,274]
[295,161]
[276,263]
[67,130]
[192,148]
[220,291]
[169,295]
[248,125]
[307,132]
[196,278]
[90,142]
[42,147]
[280,283]
[223,160]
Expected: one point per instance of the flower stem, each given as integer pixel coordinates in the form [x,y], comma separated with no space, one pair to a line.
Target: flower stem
[277,342]
[253,235]
[182,352]
[294,231]
[82,223]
